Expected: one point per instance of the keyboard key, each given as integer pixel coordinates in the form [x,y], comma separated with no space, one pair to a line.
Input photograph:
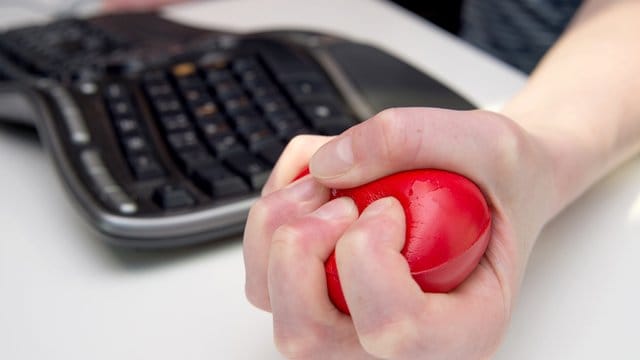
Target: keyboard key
[225,145]
[160,89]
[253,77]
[326,117]
[195,159]
[244,64]
[271,104]
[145,167]
[135,144]
[197,95]
[127,126]
[173,122]
[238,105]
[219,182]
[305,90]
[184,69]
[246,120]
[182,140]
[251,168]
[265,90]
[287,125]
[121,107]
[214,126]
[271,152]
[319,112]
[115,91]
[154,77]
[216,76]
[208,108]
[167,104]
[260,87]
[213,60]
[172,197]
[190,82]
[228,89]
[258,137]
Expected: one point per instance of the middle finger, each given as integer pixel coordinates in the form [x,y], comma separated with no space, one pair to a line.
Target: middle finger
[270,212]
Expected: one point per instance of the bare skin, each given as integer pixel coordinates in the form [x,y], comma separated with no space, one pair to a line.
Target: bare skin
[575,120]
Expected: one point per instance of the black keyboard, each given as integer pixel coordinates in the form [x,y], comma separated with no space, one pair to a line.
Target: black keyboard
[165,134]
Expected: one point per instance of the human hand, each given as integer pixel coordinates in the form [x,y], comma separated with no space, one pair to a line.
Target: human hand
[292,230]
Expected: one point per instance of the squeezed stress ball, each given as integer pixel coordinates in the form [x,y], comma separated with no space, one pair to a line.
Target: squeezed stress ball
[447,227]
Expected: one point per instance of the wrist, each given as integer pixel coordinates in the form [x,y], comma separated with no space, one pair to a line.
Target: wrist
[537,178]
[577,153]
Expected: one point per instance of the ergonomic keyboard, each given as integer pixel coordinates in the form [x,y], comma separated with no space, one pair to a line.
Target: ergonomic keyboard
[164,134]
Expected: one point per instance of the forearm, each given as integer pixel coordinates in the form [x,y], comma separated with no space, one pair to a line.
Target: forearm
[583,100]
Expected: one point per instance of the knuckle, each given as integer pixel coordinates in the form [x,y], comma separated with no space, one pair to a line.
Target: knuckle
[255,287]
[404,132]
[296,345]
[389,127]
[257,297]
[286,240]
[387,123]
[268,210]
[260,211]
[355,243]
[389,114]
[362,239]
[391,339]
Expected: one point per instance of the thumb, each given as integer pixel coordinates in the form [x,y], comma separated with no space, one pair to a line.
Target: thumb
[405,139]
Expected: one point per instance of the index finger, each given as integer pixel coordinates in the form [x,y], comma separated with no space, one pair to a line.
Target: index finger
[293,160]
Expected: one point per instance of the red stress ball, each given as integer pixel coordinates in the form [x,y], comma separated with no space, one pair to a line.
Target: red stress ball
[447,227]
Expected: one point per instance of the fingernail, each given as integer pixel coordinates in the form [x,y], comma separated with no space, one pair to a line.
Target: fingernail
[378,207]
[333,159]
[336,209]
[302,189]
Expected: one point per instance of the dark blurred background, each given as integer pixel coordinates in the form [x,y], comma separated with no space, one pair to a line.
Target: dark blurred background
[445,14]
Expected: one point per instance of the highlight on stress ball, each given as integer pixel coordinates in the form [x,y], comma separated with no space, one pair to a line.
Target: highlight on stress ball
[447,227]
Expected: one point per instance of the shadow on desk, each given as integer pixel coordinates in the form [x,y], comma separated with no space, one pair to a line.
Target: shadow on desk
[146,259]
[25,133]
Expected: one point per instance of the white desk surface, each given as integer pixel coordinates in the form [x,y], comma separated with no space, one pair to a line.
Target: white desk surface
[65,294]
